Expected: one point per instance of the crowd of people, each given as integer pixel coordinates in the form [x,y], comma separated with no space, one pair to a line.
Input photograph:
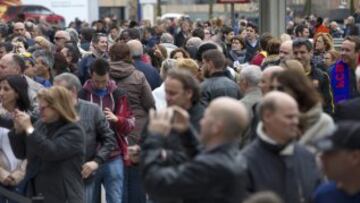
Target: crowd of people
[180,111]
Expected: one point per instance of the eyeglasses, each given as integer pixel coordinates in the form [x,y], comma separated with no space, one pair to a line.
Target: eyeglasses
[42,108]
[278,88]
[59,38]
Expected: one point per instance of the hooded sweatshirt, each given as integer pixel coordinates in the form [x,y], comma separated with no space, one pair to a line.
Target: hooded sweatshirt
[139,94]
[116,100]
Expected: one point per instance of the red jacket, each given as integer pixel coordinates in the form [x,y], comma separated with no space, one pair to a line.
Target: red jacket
[116,100]
[258,58]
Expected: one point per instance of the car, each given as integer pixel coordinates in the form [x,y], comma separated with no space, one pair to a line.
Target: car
[173,16]
[33,13]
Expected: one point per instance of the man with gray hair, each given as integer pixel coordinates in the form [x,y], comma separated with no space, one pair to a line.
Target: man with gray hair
[44,62]
[345,110]
[12,64]
[167,40]
[250,77]
[100,139]
[137,51]
[293,169]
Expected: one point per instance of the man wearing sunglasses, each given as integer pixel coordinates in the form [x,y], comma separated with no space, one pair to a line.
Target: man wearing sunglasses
[60,39]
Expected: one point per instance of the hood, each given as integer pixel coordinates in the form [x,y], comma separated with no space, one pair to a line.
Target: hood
[110,87]
[120,69]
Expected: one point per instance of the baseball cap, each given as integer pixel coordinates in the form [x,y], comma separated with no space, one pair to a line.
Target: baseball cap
[346,136]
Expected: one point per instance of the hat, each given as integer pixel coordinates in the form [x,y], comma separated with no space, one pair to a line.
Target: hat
[345,136]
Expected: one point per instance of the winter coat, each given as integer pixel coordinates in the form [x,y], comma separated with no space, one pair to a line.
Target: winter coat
[100,139]
[315,124]
[151,74]
[211,176]
[139,94]
[116,100]
[290,170]
[55,154]
[218,85]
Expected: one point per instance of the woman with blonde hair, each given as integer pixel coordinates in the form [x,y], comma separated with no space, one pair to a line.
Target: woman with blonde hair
[54,147]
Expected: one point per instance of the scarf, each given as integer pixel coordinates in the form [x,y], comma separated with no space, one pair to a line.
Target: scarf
[340,81]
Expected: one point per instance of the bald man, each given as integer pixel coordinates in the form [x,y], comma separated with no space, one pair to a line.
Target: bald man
[61,37]
[294,174]
[266,75]
[151,74]
[214,175]
[285,50]
[19,30]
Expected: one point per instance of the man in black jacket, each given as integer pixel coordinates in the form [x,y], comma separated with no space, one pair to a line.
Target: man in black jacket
[182,89]
[302,51]
[275,163]
[216,84]
[213,175]
[100,139]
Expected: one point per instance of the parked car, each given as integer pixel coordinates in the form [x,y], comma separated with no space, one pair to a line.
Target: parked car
[34,13]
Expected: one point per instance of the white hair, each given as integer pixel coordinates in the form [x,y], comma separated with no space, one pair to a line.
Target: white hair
[167,38]
[251,74]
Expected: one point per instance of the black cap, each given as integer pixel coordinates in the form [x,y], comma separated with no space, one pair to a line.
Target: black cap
[345,136]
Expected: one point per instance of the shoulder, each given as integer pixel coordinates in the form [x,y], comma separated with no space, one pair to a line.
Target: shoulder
[88,107]
[326,193]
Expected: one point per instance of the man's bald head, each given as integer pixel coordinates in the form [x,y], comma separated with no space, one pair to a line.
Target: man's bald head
[136,48]
[266,78]
[274,99]
[61,37]
[279,114]
[285,50]
[19,29]
[231,113]
[11,64]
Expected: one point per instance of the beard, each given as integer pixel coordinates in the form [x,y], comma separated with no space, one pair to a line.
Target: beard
[205,73]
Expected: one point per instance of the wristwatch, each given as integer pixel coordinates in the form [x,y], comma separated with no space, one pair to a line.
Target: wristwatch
[29,130]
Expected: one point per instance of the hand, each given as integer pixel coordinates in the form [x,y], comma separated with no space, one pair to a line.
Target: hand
[181,120]
[88,168]
[22,120]
[160,122]
[9,181]
[134,153]
[158,53]
[109,115]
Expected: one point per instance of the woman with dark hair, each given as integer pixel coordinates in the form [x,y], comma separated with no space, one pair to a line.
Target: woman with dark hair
[13,95]
[273,51]
[314,123]
[179,53]
[238,51]
[72,56]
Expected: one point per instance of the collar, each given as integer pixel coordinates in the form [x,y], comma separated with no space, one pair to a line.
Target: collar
[285,150]
[218,74]
[263,136]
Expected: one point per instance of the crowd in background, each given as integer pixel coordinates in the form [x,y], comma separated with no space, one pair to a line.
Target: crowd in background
[180,111]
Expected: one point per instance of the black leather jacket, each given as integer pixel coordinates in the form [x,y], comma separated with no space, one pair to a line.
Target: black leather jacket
[215,175]
[217,85]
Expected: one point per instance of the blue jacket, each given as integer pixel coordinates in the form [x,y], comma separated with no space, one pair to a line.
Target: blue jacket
[151,74]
